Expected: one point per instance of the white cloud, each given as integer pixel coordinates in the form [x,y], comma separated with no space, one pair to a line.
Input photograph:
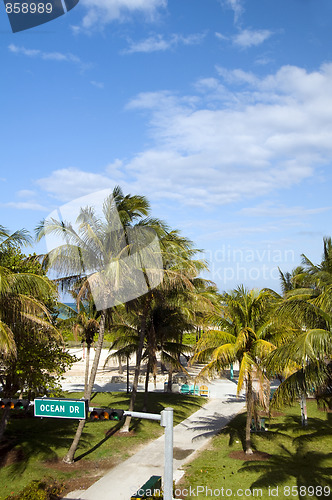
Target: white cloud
[236,6]
[26,205]
[47,56]
[158,42]
[28,201]
[26,193]
[222,145]
[237,76]
[250,38]
[99,85]
[221,36]
[68,183]
[101,12]
[268,209]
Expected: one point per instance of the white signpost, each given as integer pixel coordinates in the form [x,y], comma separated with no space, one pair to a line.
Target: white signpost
[166,420]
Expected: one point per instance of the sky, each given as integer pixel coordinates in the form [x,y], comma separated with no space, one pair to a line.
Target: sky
[218,111]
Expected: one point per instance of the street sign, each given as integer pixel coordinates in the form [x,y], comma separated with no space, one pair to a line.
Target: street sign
[61,408]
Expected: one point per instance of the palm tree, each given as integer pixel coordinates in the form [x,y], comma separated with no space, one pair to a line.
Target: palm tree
[94,253]
[86,327]
[321,274]
[180,269]
[22,301]
[302,358]
[294,280]
[165,324]
[245,335]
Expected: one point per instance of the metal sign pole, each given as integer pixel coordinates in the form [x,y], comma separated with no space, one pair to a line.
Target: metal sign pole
[167,422]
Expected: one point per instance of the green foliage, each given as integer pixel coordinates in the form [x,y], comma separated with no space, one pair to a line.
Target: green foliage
[39,490]
[27,305]
[38,366]
[17,262]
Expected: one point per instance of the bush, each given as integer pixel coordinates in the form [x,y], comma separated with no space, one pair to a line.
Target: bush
[39,490]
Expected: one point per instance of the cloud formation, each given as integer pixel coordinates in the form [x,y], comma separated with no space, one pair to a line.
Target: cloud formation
[156,43]
[223,144]
[251,38]
[236,6]
[246,38]
[46,56]
[101,12]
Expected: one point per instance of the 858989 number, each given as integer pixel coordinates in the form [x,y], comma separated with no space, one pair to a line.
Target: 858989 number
[26,8]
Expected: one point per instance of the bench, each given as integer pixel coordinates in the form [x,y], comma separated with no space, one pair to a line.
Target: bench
[194,390]
[184,389]
[204,391]
[152,488]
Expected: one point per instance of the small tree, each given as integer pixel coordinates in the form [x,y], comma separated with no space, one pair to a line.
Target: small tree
[245,336]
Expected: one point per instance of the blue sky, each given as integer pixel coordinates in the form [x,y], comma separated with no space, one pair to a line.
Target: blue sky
[219,111]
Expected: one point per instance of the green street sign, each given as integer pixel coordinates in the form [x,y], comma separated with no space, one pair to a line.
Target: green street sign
[61,408]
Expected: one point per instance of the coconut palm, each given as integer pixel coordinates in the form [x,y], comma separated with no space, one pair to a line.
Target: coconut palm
[22,303]
[305,356]
[165,324]
[321,274]
[302,359]
[21,294]
[245,335]
[92,255]
[181,269]
[86,326]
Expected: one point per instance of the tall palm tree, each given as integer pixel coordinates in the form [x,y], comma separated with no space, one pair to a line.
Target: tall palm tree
[92,254]
[86,327]
[245,335]
[321,274]
[305,356]
[180,268]
[22,301]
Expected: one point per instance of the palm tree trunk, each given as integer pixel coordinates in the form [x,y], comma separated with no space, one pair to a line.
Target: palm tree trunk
[125,427]
[146,389]
[120,365]
[250,402]
[4,422]
[87,363]
[169,382]
[128,374]
[69,458]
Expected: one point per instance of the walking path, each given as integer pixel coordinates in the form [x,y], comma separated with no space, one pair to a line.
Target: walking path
[190,436]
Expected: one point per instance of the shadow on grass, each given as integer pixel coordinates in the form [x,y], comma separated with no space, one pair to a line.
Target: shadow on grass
[305,466]
[315,429]
[296,460]
[109,434]
[38,439]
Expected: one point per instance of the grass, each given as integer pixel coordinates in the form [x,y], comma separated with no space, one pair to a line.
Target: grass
[300,457]
[36,446]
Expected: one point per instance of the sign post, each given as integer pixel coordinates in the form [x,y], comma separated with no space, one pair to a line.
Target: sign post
[166,420]
[61,408]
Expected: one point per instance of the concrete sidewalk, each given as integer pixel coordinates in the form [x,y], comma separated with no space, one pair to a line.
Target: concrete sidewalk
[190,436]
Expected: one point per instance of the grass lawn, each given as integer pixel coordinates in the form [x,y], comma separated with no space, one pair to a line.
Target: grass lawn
[299,457]
[35,447]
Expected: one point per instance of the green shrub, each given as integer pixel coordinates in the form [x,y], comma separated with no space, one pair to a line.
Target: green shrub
[39,490]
